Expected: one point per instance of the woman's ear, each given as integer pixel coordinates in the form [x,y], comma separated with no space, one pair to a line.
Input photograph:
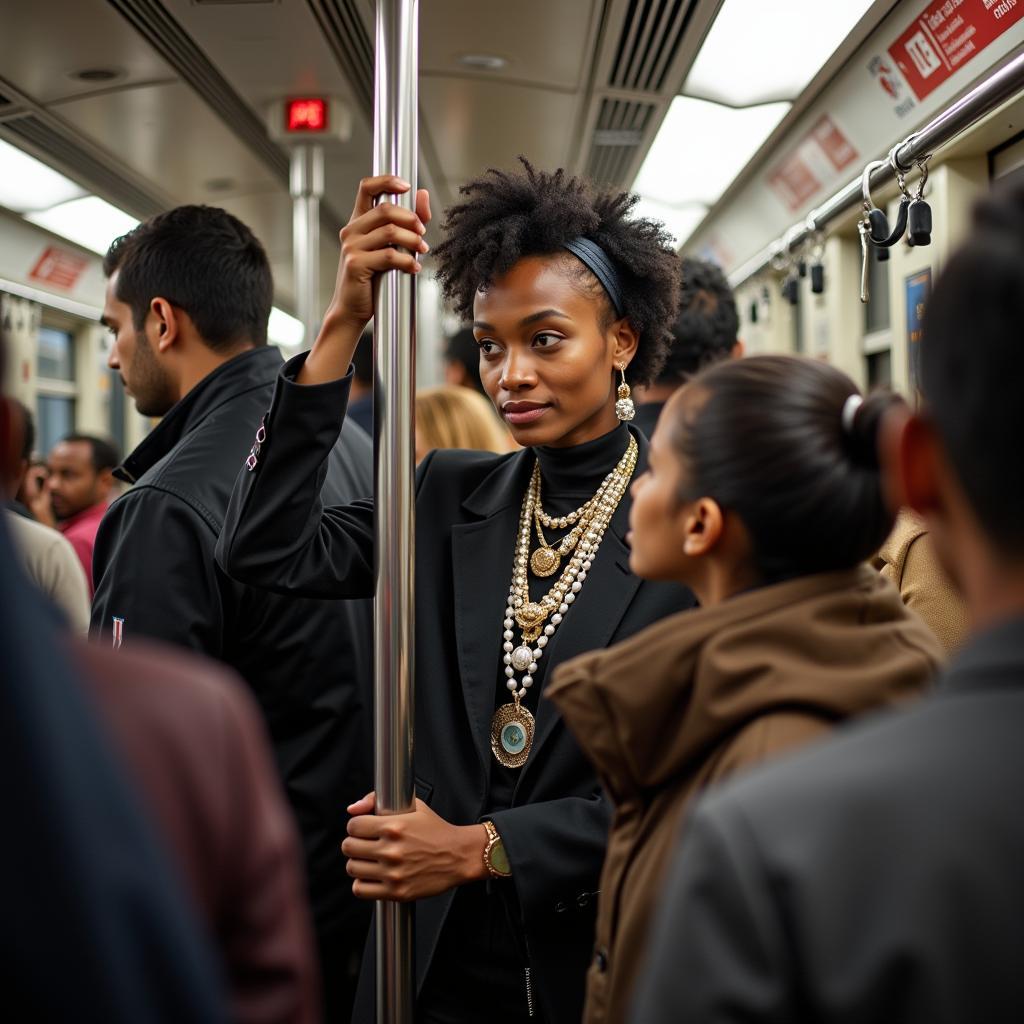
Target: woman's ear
[702,527]
[626,342]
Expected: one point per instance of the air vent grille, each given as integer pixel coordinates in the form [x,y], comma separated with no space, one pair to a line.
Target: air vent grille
[92,169]
[345,33]
[174,44]
[618,135]
[652,33]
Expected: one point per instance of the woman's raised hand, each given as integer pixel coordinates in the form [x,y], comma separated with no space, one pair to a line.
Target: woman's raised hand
[376,238]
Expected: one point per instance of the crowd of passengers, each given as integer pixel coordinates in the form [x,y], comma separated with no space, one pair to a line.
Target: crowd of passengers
[688,747]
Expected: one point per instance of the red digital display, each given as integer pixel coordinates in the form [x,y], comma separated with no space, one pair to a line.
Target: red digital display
[306,116]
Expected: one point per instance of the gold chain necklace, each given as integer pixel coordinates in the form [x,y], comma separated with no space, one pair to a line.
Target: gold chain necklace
[546,559]
[512,727]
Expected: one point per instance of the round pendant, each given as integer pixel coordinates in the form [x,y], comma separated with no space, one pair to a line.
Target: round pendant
[512,735]
[531,615]
[522,658]
[544,561]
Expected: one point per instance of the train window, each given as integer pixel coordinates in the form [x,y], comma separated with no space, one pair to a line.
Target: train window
[56,417]
[56,356]
[879,369]
[876,313]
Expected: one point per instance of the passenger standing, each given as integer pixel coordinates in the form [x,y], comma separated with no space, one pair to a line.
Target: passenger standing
[705,332]
[360,408]
[187,302]
[45,554]
[763,495]
[502,853]
[79,486]
[878,877]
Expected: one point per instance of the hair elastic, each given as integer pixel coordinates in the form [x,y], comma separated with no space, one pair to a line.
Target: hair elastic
[850,407]
[598,262]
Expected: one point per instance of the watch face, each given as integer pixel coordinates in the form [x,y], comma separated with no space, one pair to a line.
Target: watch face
[499,859]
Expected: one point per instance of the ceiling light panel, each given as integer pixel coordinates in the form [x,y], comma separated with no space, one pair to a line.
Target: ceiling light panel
[701,147]
[27,185]
[758,51]
[91,222]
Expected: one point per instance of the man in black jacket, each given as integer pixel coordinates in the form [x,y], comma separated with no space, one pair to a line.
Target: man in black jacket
[188,300]
[879,878]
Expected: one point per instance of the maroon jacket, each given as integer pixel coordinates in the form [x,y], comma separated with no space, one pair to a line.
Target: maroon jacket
[196,747]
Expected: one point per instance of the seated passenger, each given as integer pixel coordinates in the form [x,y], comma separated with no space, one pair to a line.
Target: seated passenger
[457,417]
[503,850]
[705,332]
[763,495]
[878,877]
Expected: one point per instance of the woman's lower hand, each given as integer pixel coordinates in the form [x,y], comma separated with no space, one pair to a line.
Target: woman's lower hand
[410,856]
[376,239]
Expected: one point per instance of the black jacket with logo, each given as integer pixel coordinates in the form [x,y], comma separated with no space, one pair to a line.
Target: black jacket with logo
[308,661]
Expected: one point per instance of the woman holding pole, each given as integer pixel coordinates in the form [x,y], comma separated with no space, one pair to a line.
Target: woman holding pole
[521,563]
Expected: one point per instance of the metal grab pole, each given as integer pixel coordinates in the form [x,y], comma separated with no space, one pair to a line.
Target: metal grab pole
[306,187]
[395,146]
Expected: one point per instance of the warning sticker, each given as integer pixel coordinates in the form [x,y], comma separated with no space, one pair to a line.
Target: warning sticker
[947,35]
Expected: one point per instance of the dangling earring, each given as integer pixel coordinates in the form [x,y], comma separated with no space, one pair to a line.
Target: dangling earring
[624,407]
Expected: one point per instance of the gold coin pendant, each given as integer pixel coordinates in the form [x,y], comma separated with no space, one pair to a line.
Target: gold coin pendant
[545,561]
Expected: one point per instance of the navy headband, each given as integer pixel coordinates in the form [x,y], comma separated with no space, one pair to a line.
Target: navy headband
[598,262]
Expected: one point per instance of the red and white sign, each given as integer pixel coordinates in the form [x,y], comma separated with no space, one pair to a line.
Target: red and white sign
[59,267]
[821,154]
[834,144]
[947,35]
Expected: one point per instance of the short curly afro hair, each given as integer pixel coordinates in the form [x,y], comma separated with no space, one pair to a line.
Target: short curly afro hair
[509,216]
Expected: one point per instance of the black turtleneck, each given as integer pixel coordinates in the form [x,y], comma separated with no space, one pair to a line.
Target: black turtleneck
[569,477]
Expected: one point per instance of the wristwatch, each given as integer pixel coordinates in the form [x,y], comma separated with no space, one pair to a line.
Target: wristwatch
[495,857]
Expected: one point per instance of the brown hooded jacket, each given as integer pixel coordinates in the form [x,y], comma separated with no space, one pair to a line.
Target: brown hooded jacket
[702,694]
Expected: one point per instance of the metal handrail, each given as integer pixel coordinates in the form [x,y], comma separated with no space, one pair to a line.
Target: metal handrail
[961,115]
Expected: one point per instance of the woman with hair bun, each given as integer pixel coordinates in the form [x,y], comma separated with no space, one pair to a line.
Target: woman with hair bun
[521,563]
[763,495]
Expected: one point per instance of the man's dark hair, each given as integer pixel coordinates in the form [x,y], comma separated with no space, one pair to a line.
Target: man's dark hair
[202,260]
[764,437]
[508,216]
[972,365]
[707,326]
[362,358]
[104,453]
[462,348]
[28,431]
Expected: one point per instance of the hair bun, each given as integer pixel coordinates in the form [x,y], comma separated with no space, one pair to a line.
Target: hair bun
[861,427]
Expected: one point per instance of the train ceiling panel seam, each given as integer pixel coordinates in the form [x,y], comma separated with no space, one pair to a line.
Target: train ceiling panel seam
[153,22]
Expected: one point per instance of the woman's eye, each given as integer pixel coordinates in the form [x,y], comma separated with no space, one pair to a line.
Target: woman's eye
[547,340]
[488,347]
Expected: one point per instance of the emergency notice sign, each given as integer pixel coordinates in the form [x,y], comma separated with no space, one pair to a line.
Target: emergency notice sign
[948,34]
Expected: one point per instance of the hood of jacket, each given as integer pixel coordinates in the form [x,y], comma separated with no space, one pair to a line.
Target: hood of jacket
[656,706]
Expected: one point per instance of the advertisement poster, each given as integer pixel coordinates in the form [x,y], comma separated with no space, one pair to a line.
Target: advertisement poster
[948,34]
[918,288]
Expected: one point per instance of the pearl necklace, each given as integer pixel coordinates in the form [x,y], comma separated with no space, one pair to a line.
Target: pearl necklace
[512,726]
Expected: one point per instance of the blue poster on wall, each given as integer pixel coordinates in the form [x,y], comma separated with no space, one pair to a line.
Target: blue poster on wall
[918,287]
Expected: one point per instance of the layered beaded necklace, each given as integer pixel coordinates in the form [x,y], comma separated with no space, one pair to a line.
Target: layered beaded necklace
[512,726]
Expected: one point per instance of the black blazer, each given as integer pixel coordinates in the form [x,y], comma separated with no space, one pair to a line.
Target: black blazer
[278,534]
[879,877]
